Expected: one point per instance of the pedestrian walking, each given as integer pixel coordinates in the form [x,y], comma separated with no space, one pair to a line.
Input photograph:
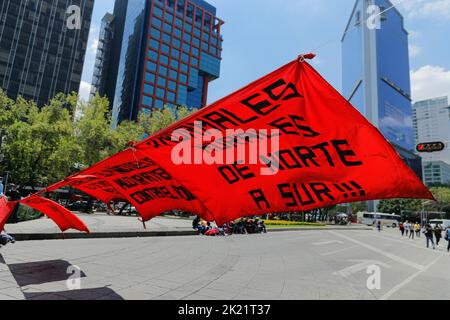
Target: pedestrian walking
[429,235]
[411,230]
[447,237]
[379,226]
[417,229]
[438,233]
[402,228]
[407,227]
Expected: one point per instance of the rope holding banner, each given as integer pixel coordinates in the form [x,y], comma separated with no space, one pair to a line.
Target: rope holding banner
[143,223]
[132,146]
[308,56]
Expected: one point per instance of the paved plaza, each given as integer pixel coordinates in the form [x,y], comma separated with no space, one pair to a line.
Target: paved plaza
[321,264]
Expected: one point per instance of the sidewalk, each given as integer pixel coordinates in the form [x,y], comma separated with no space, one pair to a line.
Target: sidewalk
[104,226]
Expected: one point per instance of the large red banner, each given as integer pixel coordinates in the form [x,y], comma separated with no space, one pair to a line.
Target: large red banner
[313,149]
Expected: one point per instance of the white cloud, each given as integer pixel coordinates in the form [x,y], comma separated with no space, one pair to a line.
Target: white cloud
[430,82]
[424,8]
[85,90]
[414,50]
[94,45]
[94,34]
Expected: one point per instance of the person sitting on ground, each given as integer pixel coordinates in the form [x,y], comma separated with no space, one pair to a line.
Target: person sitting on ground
[6,238]
[262,226]
[196,223]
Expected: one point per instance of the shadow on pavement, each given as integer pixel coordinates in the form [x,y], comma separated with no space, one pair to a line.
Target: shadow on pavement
[33,273]
[103,293]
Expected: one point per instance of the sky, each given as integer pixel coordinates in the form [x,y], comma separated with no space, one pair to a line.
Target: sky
[262,35]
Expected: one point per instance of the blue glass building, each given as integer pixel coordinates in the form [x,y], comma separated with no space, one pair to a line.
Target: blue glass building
[375,69]
[170,51]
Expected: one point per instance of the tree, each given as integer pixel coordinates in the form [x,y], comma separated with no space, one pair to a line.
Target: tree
[39,145]
[397,206]
[42,146]
[161,119]
[442,203]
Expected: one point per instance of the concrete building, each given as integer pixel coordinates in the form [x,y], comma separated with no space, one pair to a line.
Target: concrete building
[169,51]
[42,50]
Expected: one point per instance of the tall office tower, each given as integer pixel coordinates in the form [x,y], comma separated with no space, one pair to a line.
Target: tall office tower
[42,46]
[431,119]
[376,75]
[108,51]
[102,63]
[375,69]
[170,51]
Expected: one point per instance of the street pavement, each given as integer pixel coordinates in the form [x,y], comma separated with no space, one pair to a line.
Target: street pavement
[101,222]
[102,225]
[322,264]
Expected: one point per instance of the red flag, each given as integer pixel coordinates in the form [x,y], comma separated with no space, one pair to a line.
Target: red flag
[60,215]
[327,153]
[6,208]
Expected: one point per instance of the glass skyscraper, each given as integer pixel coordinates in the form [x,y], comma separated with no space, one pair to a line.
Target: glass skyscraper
[40,55]
[375,68]
[375,75]
[171,50]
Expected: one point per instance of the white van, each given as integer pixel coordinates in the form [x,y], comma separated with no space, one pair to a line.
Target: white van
[444,223]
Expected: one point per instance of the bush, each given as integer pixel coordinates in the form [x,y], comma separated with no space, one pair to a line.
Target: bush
[292,223]
[26,213]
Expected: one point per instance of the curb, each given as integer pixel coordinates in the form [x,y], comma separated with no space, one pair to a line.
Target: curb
[142,234]
[320,228]
[99,235]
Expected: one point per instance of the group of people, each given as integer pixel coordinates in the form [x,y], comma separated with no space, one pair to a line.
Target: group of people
[431,234]
[410,228]
[241,226]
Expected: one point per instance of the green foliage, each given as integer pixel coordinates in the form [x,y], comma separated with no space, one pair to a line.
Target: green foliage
[442,203]
[398,206]
[25,213]
[42,146]
[161,119]
[39,145]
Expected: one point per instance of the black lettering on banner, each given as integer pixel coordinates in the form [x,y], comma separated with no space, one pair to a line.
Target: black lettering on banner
[308,199]
[258,107]
[293,93]
[259,197]
[307,131]
[228,174]
[287,194]
[264,107]
[219,119]
[304,194]
[322,147]
[306,155]
[320,189]
[285,156]
[183,193]
[243,171]
[235,172]
[345,153]
[284,124]
[125,183]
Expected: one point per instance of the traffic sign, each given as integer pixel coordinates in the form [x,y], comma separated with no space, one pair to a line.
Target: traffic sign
[430,147]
